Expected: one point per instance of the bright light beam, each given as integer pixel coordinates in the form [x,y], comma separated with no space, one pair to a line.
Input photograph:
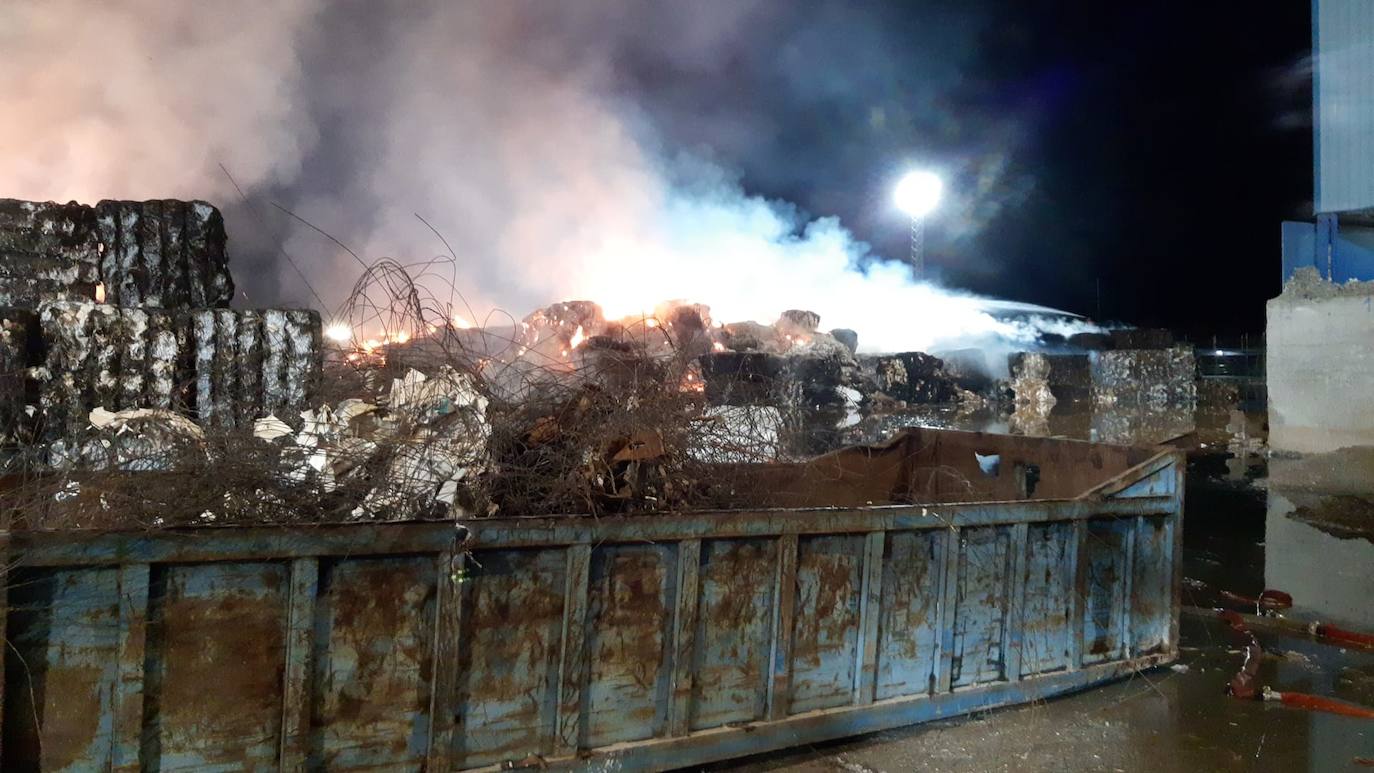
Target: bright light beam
[339,333]
[918,193]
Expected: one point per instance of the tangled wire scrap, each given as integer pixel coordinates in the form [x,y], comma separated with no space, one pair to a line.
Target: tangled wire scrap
[421,415]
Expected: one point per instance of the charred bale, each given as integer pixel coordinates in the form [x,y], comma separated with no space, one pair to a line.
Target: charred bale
[247,364]
[743,378]
[222,367]
[162,254]
[20,350]
[848,337]
[1091,341]
[910,377]
[797,322]
[970,370]
[48,251]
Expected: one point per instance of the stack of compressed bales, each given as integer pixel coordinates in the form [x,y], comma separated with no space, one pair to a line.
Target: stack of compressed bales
[124,305]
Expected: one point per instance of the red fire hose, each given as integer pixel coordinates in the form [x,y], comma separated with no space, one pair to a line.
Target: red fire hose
[1325,631]
[1245,684]
[1317,703]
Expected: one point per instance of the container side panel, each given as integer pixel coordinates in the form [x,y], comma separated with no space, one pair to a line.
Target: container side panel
[60,666]
[1152,585]
[981,605]
[629,619]
[907,635]
[217,650]
[511,633]
[734,631]
[1046,610]
[372,662]
[1104,591]
[826,627]
[1157,484]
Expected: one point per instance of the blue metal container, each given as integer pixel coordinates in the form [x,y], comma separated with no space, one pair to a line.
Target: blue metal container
[647,642]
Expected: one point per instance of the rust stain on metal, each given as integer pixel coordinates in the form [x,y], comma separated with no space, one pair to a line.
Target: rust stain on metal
[628,610]
[824,616]
[733,629]
[511,634]
[220,666]
[70,693]
[59,660]
[374,688]
[628,619]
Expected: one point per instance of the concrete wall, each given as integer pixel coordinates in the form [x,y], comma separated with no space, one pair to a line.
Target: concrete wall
[1320,363]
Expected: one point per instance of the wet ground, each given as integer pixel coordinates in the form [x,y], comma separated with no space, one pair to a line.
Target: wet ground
[1304,526]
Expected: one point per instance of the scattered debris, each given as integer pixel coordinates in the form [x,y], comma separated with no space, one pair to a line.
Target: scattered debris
[271,428]
[1306,283]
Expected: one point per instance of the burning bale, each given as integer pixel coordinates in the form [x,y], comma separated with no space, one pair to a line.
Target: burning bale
[163,254]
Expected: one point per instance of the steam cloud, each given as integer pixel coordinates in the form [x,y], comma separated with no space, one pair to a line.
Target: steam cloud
[511,126]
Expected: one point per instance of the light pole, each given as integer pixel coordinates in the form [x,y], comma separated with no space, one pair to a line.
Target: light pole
[917,194]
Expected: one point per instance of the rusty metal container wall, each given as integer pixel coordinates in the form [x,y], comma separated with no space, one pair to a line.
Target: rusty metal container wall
[656,641]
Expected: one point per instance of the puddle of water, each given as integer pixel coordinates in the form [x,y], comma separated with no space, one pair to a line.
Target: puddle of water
[1331,578]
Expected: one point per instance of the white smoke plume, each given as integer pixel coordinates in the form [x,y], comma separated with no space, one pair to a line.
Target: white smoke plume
[502,123]
[140,98]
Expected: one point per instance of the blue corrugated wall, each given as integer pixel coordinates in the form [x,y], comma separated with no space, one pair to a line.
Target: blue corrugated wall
[1343,94]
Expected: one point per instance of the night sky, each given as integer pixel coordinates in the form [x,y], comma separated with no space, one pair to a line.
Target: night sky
[1151,147]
